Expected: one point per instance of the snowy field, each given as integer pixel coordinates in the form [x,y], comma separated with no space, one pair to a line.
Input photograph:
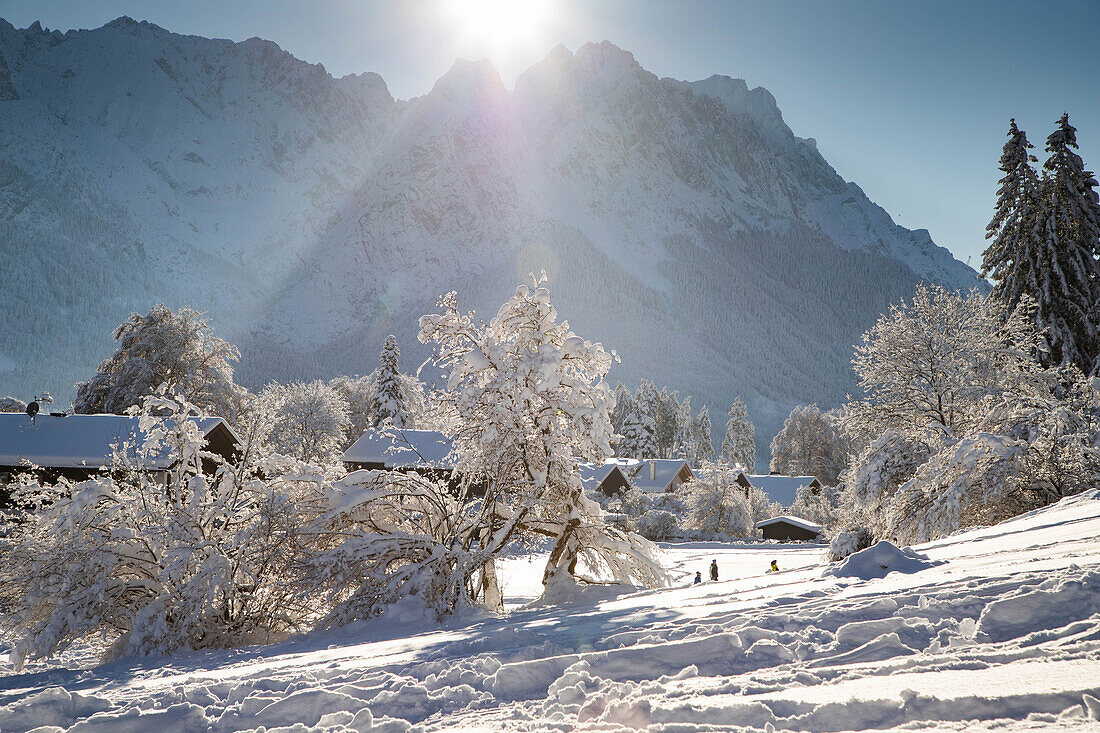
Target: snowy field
[995,629]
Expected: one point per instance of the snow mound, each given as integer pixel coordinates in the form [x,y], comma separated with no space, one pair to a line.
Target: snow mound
[881,559]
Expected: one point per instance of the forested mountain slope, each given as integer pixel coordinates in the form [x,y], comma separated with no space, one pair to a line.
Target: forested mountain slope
[683,224]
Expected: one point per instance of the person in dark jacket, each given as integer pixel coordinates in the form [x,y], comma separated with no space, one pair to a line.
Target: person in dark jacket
[698,578]
[714,570]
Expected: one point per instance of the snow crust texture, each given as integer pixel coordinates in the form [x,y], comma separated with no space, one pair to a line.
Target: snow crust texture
[313,216]
[998,630]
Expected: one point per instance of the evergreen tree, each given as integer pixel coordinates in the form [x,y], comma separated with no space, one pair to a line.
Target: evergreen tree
[685,445]
[704,445]
[388,403]
[739,446]
[1068,289]
[624,403]
[1015,257]
[639,436]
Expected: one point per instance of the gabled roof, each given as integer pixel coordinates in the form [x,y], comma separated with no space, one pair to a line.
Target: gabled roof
[400,448]
[593,475]
[795,521]
[78,441]
[656,475]
[781,489]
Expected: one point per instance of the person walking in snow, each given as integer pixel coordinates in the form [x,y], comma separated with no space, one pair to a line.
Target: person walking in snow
[698,578]
[714,570]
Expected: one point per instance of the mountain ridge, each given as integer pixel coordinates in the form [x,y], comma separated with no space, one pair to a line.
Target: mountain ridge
[310,215]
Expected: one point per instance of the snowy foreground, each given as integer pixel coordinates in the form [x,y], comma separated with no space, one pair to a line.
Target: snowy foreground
[994,629]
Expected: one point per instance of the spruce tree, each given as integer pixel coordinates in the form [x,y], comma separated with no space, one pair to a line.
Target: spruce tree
[1014,259]
[704,445]
[388,403]
[739,446]
[1068,292]
[639,436]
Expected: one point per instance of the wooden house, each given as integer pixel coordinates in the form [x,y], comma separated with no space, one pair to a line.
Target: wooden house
[607,477]
[780,489]
[75,447]
[660,475]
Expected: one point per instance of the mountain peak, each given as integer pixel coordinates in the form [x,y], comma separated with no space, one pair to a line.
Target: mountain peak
[606,56]
[467,77]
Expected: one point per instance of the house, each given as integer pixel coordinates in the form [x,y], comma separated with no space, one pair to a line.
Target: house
[607,477]
[789,529]
[75,447]
[780,489]
[660,475]
[398,449]
[428,452]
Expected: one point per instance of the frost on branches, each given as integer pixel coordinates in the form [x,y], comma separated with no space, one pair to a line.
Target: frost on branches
[964,427]
[162,347]
[162,561]
[529,400]
[811,443]
[739,445]
[388,403]
[308,420]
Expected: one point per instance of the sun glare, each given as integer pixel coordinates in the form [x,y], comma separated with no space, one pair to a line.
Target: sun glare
[499,29]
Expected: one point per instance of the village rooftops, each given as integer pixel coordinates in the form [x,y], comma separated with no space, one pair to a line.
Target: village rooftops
[780,489]
[399,448]
[85,441]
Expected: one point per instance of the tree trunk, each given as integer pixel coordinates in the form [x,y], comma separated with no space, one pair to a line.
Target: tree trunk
[564,554]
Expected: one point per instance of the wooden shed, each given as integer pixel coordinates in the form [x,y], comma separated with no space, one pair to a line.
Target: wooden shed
[790,529]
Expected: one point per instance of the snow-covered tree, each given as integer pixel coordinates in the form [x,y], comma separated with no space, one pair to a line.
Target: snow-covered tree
[639,439]
[811,443]
[704,443]
[357,393]
[717,506]
[530,400]
[156,563]
[1067,290]
[685,444]
[973,428]
[310,420]
[12,404]
[739,445]
[164,348]
[388,403]
[926,365]
[1015,259]
[624,402]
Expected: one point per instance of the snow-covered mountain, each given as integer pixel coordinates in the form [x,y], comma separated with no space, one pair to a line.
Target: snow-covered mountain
[682,223]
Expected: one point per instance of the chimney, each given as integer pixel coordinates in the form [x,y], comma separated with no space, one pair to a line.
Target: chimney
[652,470]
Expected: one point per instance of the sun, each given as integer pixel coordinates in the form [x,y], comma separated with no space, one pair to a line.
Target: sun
[499,28]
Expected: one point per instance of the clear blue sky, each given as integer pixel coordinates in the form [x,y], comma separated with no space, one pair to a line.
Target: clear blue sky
[909,100]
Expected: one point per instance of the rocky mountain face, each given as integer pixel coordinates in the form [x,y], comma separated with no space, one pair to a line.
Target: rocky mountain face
[681,223]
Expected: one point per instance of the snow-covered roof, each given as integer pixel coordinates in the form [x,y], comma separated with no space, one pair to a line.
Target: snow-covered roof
[76,441]
[781,489]
[594,474]
[400,448]
[796,521]
[655,475]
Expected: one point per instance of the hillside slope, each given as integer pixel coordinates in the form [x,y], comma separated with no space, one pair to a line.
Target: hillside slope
[997,629]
